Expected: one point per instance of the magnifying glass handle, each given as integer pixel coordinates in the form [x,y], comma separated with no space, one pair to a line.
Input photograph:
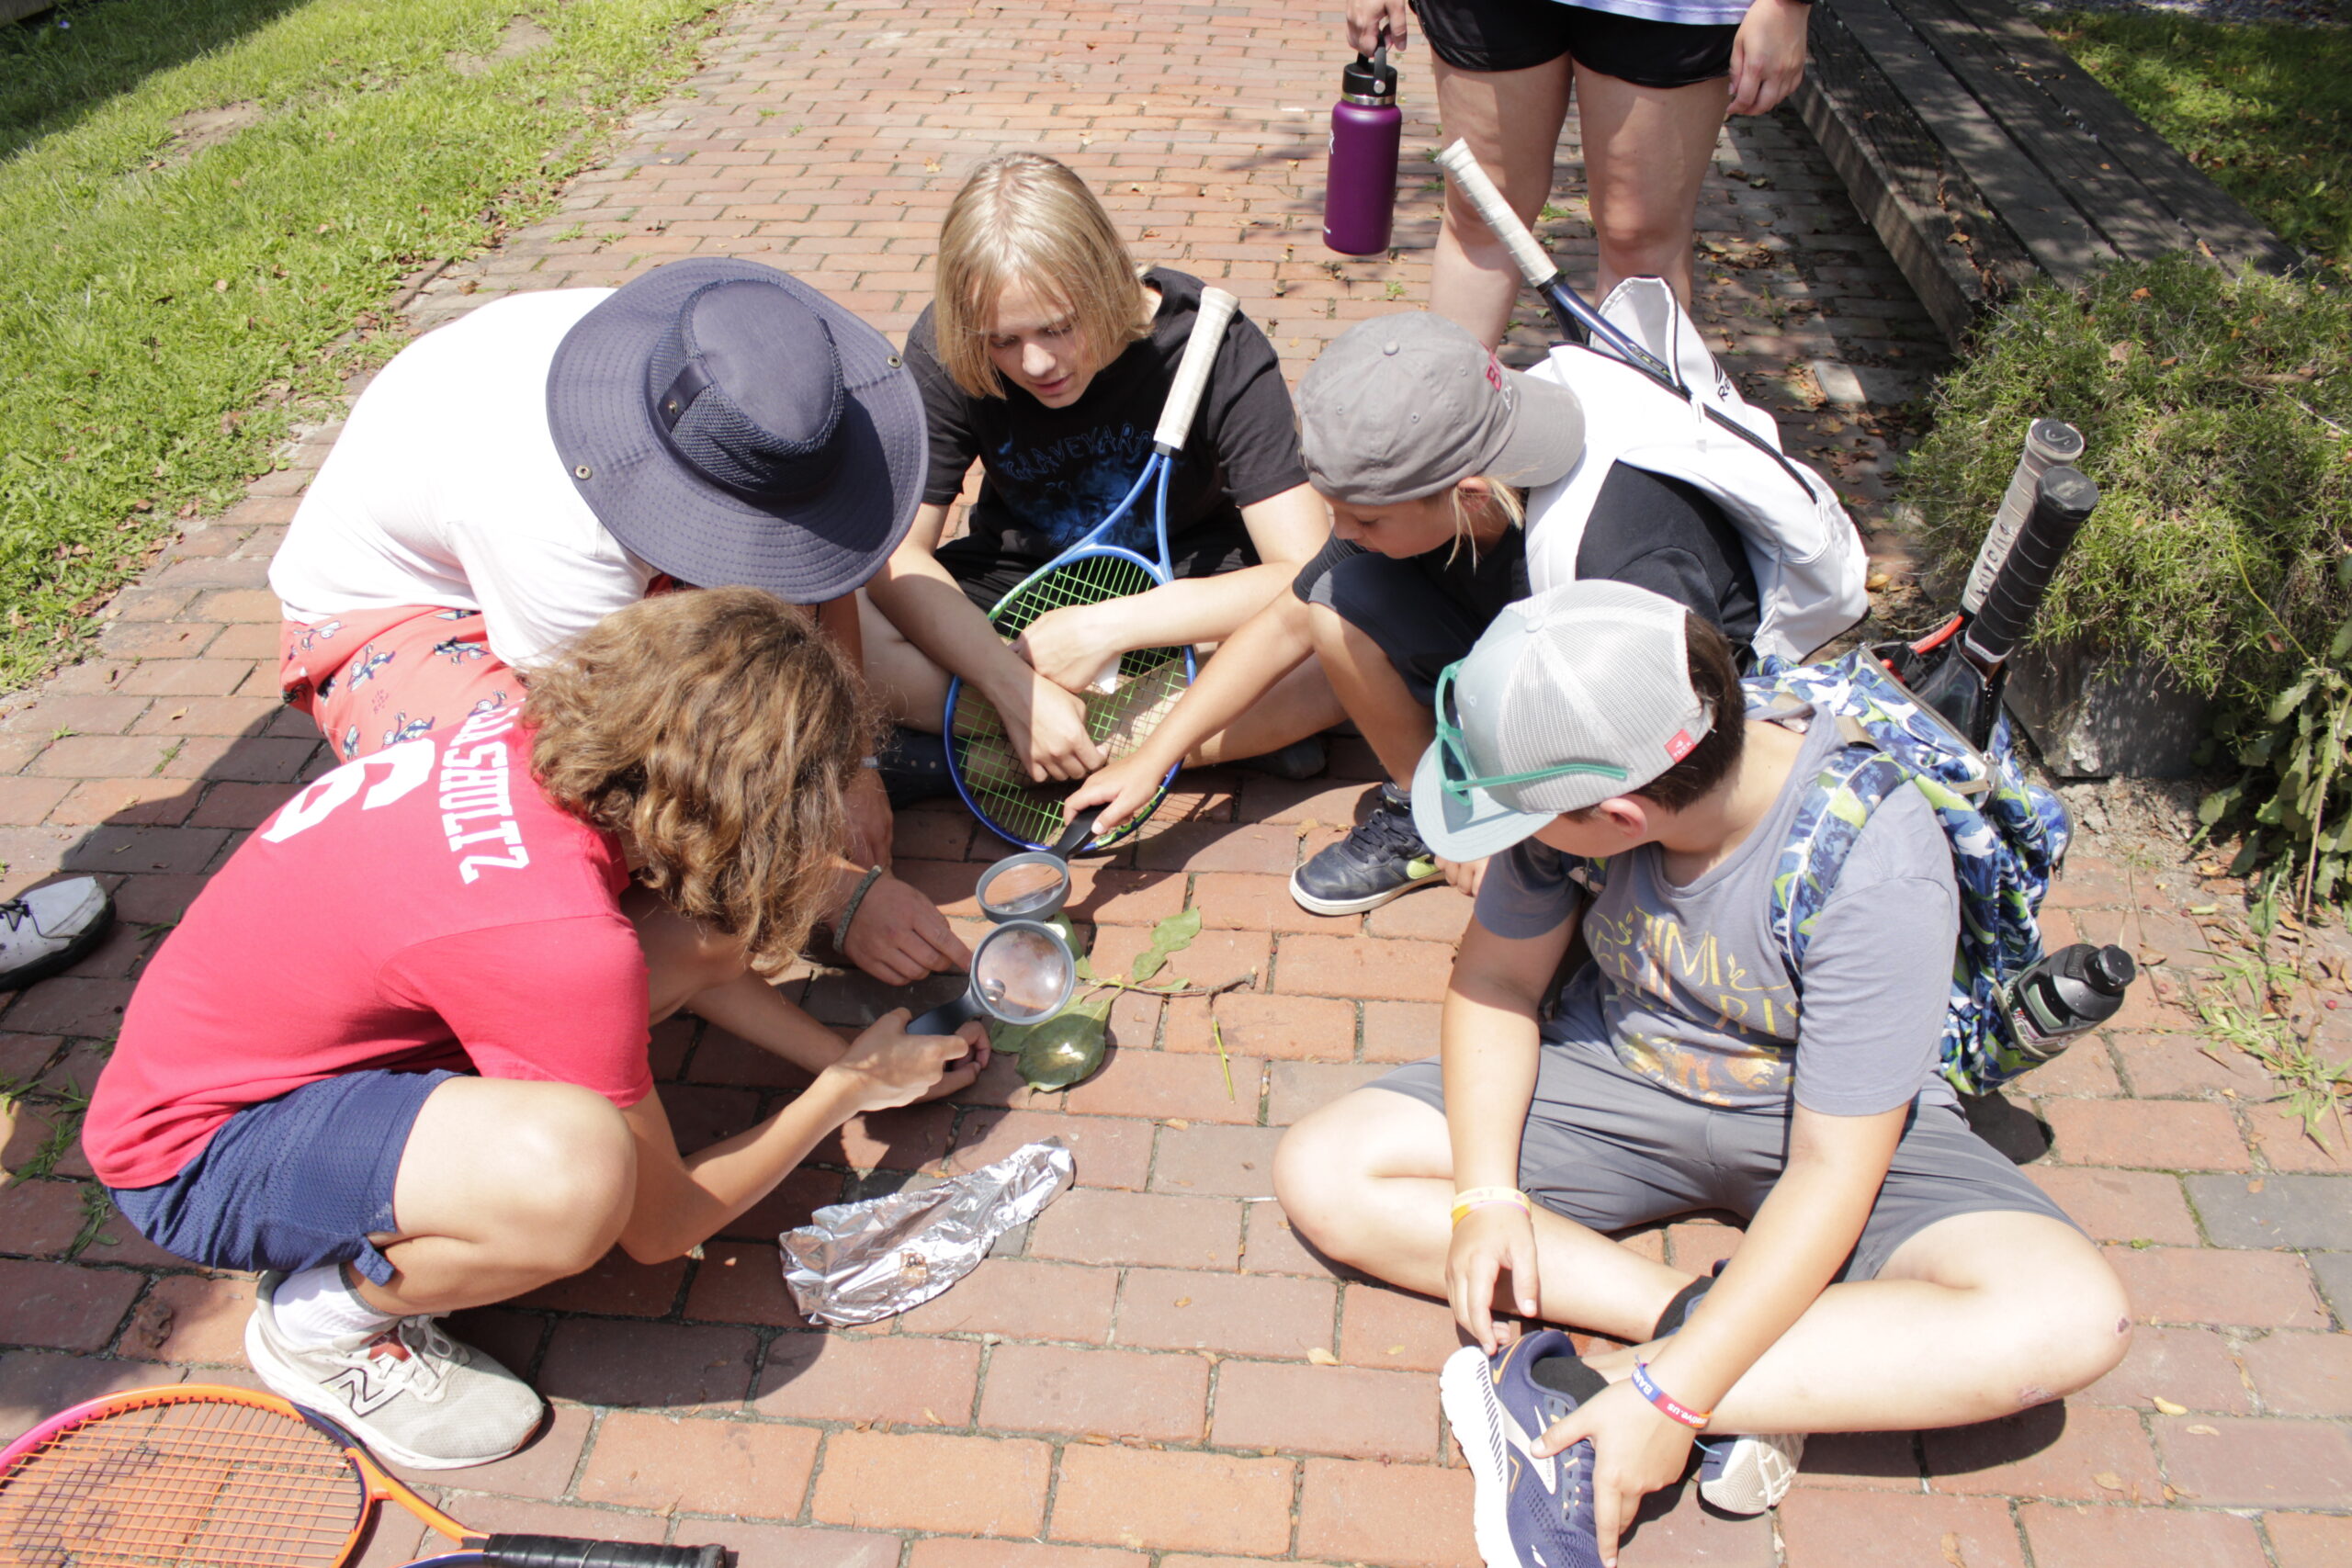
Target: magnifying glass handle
[947,1017]
[1076,834]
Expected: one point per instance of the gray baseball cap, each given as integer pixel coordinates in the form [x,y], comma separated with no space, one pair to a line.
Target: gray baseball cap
[1577,695]
[1403,406]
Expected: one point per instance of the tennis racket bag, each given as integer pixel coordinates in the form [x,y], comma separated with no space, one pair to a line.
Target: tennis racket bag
[2007,837]
[1807,555]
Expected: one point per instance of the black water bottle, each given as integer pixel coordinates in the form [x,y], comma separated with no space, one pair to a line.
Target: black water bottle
[2065,994]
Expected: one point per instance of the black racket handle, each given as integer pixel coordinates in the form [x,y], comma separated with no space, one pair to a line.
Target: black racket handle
[2063,502]
[1073,838]
[560,1551]
[947,1017]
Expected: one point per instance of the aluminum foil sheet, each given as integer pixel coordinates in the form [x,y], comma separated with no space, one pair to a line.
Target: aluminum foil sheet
[861,1262]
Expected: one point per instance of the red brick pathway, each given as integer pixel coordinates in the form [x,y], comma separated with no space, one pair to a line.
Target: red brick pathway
[1158,1375]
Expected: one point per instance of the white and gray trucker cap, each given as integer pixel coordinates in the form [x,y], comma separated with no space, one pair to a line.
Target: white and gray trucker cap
[1577,695]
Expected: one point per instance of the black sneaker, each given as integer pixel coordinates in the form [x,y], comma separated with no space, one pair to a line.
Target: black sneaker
[1382,857]
[1299,760]
[914,767]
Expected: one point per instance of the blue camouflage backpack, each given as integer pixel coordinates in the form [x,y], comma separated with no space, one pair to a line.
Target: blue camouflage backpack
[2007,837]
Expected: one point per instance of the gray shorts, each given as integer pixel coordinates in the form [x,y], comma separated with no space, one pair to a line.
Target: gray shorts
[1610,1151]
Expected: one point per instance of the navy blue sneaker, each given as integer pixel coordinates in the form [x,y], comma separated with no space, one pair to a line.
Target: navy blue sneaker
[1529,1512]
[1381,858]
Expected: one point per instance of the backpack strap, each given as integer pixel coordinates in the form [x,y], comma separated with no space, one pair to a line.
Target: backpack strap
[1828,824]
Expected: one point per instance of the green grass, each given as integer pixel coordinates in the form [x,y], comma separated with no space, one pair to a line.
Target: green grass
[2266,111]
[2218,413]
[164,313]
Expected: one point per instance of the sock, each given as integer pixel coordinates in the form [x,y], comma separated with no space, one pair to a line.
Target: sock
[316,1307]
[1568,1375]
[1679,1307]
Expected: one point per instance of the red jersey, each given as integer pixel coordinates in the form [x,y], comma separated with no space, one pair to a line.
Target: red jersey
[425,907]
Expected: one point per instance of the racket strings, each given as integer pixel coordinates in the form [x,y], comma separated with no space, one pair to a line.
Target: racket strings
[182,1483]
[1151,680]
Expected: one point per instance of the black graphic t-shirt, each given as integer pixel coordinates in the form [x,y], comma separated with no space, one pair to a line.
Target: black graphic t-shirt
[1052,474]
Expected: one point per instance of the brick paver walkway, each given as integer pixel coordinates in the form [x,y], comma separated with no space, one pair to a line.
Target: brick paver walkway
[1158,1375]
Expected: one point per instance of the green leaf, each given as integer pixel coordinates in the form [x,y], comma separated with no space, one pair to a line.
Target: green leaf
[1171,936]
[2219,804]
[2283,706]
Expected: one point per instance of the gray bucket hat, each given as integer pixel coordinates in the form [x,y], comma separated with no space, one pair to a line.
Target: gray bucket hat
[1402,406]
[1577,695]
[731,425]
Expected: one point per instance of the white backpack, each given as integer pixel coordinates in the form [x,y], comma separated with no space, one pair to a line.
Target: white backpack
[1806,553]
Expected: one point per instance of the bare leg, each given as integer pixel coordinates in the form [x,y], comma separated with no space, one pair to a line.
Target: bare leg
[912,690]
[1301,704]
[2038,1310]
[1396,724]
[1646,151]
[1369,1179]
[504,1186]
[1511,120]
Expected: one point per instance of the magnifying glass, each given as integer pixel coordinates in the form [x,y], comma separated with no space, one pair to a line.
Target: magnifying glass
[1034,885]
[1021,973]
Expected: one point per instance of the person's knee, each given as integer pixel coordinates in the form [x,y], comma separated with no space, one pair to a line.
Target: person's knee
[1321,1176]
[2065,1324]
[575,1178]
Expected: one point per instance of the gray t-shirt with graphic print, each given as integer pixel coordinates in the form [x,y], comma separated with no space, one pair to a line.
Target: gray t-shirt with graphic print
[1689,988]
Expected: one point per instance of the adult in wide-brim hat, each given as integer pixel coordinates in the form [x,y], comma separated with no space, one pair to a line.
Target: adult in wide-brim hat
[730,424]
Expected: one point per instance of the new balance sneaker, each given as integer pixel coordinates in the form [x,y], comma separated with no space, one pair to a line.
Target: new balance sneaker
[45,929]
[1740,1473]
[1382,857]
[1529,1512]
[409,1392]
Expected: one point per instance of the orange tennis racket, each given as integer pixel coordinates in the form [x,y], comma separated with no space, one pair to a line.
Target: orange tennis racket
[198,1476]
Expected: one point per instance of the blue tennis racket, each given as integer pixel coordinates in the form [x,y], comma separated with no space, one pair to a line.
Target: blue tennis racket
[1127,700]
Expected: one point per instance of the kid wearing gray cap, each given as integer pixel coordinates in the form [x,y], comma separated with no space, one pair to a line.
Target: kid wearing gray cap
[1426,449]
[1896,1272]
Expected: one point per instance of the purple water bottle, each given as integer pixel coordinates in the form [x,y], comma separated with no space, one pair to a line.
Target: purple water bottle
[1360,195]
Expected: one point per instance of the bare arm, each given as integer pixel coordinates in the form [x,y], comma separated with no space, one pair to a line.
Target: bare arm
[1271,644]
[1489,1042]
[1069,645]
[682,1203]
[1045,724]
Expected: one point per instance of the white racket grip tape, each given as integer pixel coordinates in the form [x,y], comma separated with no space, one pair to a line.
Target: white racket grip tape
[1192,370]
[1459,162]
[1106,680]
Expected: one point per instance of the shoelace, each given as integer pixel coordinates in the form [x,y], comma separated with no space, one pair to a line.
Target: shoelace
[420,1368]
[1391,829]
[15,911]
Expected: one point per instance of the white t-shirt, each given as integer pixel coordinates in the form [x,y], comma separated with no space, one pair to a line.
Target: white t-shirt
[445,489]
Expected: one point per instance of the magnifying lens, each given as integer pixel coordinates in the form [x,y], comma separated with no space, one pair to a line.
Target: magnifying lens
[1034,885]
[1021,973]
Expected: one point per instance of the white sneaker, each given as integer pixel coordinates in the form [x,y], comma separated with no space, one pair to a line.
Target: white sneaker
[1748,1475]
[47,928]
[410,1392]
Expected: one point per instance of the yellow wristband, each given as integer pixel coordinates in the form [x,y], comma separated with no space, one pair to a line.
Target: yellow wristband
[1479,1197]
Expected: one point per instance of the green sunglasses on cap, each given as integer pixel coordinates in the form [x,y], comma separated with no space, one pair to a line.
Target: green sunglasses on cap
[1457,755]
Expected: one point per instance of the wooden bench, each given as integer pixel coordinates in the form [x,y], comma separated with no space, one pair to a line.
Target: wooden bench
[1983,155]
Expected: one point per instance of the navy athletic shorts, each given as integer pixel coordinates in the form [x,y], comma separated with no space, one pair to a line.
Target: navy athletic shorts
[300,1179]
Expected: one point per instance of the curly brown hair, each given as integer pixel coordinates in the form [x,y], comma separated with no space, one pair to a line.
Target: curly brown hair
[718,729]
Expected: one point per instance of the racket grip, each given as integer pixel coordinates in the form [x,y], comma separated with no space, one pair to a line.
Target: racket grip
[1192,370]
[2063,502]
[1463,164]
[1073,836]
[559,1552]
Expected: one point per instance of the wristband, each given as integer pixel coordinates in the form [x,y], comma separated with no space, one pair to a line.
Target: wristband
[849,910]
[1673,1408]
[1479,1197]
